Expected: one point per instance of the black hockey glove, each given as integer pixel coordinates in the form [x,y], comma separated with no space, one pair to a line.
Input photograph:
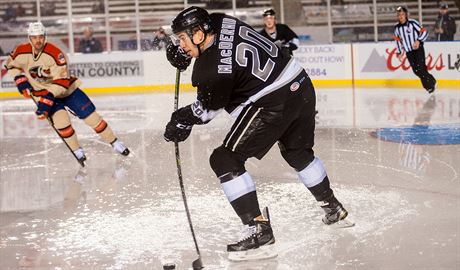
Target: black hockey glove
[292,46]
[177,132]
[179,127]
[177,57]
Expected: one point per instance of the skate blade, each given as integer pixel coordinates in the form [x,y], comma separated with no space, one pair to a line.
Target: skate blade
[82,162]
[344,223]
[264,252]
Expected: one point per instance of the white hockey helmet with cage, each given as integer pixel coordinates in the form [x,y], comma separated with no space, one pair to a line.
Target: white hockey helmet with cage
[36,29]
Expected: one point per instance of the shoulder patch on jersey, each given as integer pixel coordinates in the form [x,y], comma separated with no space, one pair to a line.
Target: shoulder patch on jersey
[294,86]
[56,53]
[23,48]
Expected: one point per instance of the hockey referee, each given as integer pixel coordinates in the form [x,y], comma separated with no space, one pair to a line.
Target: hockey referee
[409,36]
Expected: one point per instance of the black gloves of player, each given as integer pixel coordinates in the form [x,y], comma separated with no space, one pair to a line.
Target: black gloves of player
[292,46]
[176,131]
[179,127]
[24,87]
[177,57]
[286,47]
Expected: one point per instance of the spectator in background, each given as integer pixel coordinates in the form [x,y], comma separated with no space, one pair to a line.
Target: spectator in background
[219,4]
[10,13]
[98,7]
[33,9]
[444,27]
[48,8]
[161,40]
[279,33]
[1,52]
[89,44]
[20,10]
[338,2]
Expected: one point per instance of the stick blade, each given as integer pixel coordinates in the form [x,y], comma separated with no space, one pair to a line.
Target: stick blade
[341,224]
[82,163]
[197,264]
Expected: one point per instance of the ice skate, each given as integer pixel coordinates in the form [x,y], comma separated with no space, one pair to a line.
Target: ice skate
[431,90]
[256,244]
[335,213]
[120,147]
[80,155]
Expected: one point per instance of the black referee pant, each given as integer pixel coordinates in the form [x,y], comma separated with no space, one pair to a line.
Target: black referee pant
[417,62]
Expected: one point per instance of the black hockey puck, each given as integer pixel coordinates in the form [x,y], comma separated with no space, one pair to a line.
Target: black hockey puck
[169,266]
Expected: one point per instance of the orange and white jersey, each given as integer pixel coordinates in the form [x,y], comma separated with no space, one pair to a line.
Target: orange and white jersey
[46,70]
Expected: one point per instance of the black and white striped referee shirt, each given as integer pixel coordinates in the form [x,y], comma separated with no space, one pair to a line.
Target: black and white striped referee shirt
[406,34]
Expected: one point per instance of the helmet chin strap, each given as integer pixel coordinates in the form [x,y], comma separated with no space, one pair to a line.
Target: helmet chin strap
[190,34]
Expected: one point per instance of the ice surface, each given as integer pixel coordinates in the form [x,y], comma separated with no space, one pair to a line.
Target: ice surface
[127,213]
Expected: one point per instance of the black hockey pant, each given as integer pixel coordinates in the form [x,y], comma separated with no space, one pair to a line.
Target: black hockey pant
[256,130]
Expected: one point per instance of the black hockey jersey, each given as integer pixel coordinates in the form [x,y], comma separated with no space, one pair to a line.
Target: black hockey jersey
[240,67]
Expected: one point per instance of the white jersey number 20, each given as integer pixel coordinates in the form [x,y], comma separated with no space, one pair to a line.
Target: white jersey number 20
[248,34]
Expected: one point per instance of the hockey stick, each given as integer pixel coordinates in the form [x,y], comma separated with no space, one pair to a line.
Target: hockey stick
[50,121]
[197,264]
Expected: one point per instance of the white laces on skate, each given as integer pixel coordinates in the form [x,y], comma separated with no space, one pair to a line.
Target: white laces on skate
[79,153]
[118,146]
[249,231]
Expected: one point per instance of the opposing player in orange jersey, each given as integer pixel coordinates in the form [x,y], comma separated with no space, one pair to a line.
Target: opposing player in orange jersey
[40,71]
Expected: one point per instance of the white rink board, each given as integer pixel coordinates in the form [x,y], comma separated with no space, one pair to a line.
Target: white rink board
[379,61]
[116,69]
[143,68]
[335,107]
[326,62]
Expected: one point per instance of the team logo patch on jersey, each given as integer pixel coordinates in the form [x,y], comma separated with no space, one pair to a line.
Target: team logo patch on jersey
[61,58]
[295,86]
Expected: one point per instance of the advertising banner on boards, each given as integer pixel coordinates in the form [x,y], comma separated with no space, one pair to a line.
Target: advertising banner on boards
[379,61]
[326,62]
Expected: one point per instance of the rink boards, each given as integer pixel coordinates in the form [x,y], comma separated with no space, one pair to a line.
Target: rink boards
[335,65]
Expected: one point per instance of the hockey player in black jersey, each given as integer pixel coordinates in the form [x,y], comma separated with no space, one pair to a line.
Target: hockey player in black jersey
[273,100]
[279,33]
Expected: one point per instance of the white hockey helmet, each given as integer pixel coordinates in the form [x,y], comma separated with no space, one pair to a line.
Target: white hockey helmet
[36,29]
